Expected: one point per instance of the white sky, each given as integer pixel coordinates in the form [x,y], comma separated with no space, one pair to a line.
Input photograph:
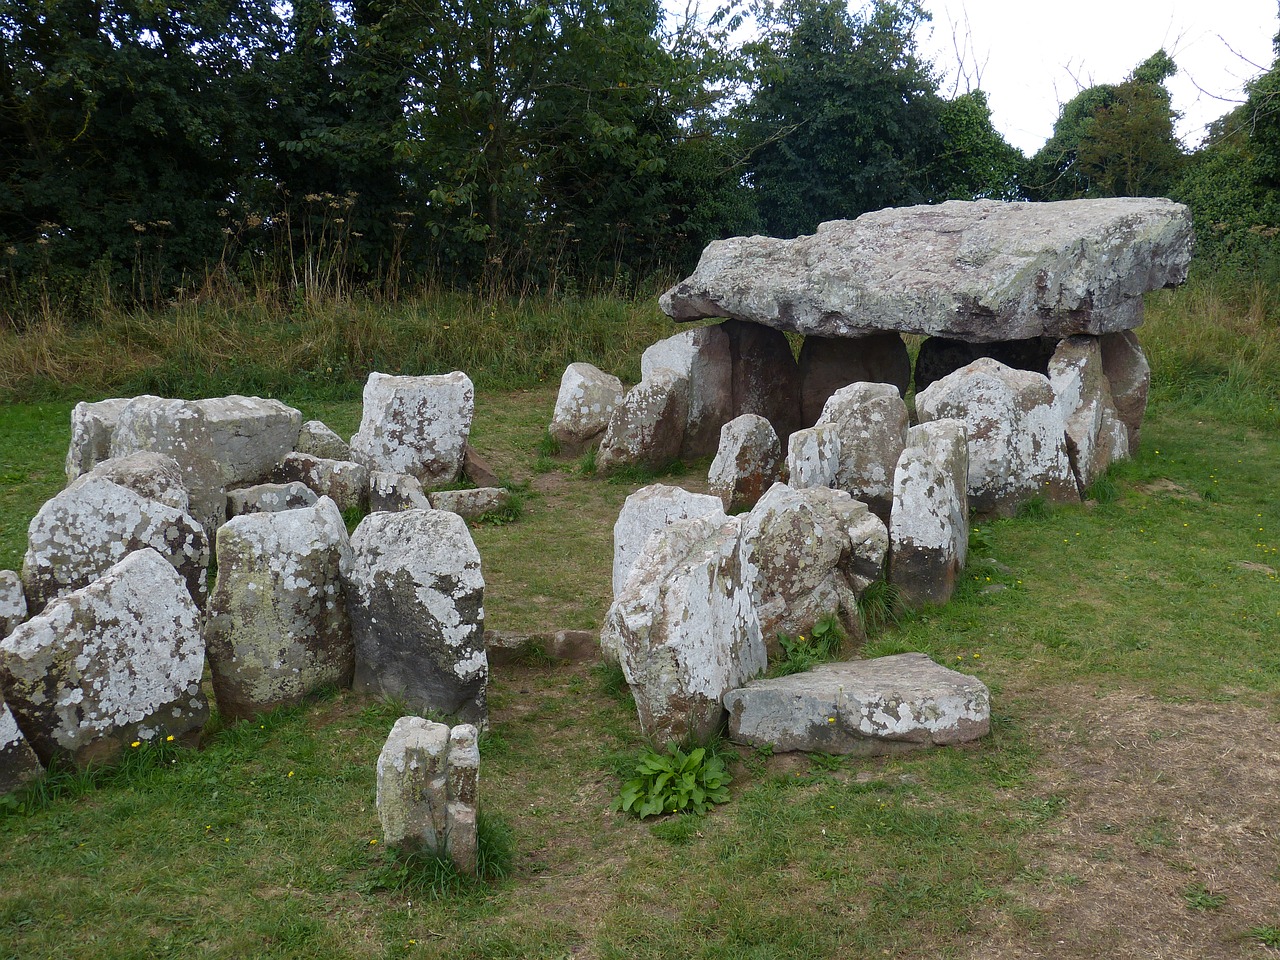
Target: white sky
[1032,53]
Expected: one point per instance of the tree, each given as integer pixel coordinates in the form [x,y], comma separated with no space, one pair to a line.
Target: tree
[976,162]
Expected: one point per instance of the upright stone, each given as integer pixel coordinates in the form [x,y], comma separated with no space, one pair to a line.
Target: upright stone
[813,457]
[940,356]
[1129,375]
[587,398]
[766,378]
[416,597]
[316,440]
[462,843]
[648,510]
[829,363]
[92,425]
[415,425]
[647,428]
[747,463]
[115,662]
[344,482]
[1095,433]
[703,357]
[150,475]
[929,526]
[1017,440]
[871,419]
[277,626]
[13,602]
[19,764]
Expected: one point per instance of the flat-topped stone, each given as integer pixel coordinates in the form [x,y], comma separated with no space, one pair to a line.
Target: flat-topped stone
[979,271]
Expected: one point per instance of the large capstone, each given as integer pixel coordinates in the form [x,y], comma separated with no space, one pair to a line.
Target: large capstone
[416,597]
[703,357]
[415,425]
[973,270]
[277,626]
[647,428]
[114,663]
[871,420]
[587,398]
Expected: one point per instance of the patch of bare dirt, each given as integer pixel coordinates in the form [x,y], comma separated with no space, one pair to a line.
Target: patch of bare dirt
[1168,488]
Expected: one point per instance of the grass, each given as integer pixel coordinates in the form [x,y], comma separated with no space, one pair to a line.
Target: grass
[1129,645]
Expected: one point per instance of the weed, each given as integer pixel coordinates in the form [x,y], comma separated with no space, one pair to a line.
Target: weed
[981,540]
[1268,936]
[1104,489]
[674,782]
[587,462]
[632,475]
[801,653]
[1199,897]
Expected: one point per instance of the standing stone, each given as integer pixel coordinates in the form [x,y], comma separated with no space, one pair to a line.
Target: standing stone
[462,842]
[415,425]
[587,398]
[647,428]
[344,482]
[747,463]
[269,498]
[92,425]
[1095,433]
[688,628]
[115,662]
[813,457]
[807,554]
[871,419]
[19,764]
[416,597]
[477,469]
[317,440]
[82,532]
[829,363]
[13,602]
[1129,375]
[1017,440]
[648,510]
[220,443]
[940,356]
[766,378]
[929,526]
[393,492]
[703,357]
[151,475]
[277,626]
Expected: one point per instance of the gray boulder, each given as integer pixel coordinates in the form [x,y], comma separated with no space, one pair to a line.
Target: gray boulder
[415,425]
[393,492]
[19,764]
[863,708]
[813,457]
[92,425]
[648,510]
[703,357]
[115,662]
[587,398]
[344,482]
[973,270]
[829,363]
[317,440]
[269,498]
[13,602]
[747,463]
[277,626]
[151,475]
[472,503]
[1095,433]
[871,420]
[647,428]
[416,597]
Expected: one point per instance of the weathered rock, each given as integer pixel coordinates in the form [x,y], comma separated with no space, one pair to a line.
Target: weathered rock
[1017,440]
[810,553]
[269,498]
[929,526]
[476,468]
[648,510]
[13,602]
[469,504]
[80,533]
[115,662]
[864,708]
[277,626]
[92,425]
[428,782]
[829,363]
[415,425]
[972,270]
[394,492]
[687,627]
[748,462]
[647,428]
[568,646]
[1095,433]
[220,444]
[344,482]
[19,764]
[813,457]
[151,475]
[703,357]
[317,440]
[940,356]
[416,597]
[587,398]
[1129,375]
[766,378]
[871,419]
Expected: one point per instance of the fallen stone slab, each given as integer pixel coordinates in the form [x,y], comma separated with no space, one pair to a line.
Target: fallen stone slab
[977,270]
[269,498]
[472,503]
[861,708]
[587,398]
[19,764]
[415,425]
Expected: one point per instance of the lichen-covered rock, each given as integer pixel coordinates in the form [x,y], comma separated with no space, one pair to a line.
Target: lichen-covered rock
[415,425]
[940,356]
[19,764]
[115,662]
[647,428]
[766,378]
[747,463]
[269,498]
[587,398]
[648,510]
[813,457]
[1017,440]
[871,419]
[82,532]
[317,440]
[344,482]
[151,475]
[92,425]
[809,553]
[863,708]
[470,503]
[972,270]
[829,363]
[1129,376]
[220,443]
[277,626]
[13,602]
[929,526]
[703,357]
[393,492]
[1095,433]
[428,785]
[687,627]
[416,596]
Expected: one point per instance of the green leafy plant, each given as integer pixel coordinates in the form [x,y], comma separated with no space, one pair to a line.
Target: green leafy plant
[1200,897]
[801,652]
[674,782]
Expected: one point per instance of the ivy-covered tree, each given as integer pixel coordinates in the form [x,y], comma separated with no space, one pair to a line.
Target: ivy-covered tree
[975,161]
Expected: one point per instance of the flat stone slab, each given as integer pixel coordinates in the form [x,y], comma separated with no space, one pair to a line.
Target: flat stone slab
[862,707]
[979,271]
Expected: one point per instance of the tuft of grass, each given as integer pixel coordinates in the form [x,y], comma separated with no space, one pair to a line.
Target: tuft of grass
[1268,935]
[433,877]
[879,607]
[632,475]
[613,681]
[1199,897]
